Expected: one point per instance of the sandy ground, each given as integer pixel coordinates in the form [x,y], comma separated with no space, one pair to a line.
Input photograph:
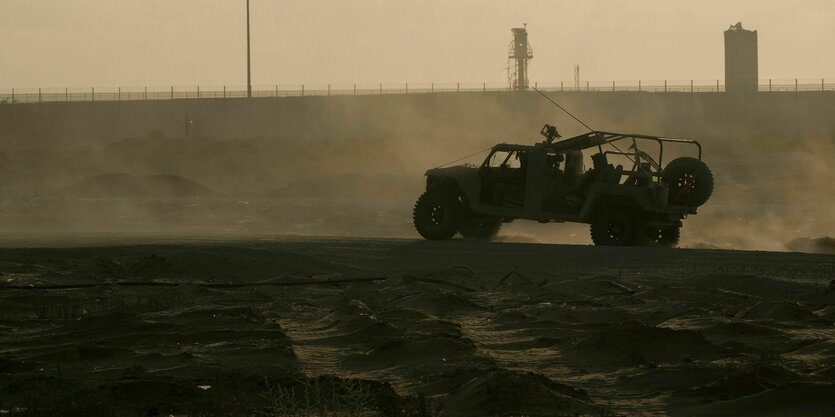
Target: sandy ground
[125,326]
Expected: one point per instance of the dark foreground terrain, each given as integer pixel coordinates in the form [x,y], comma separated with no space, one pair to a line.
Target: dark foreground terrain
[404,327]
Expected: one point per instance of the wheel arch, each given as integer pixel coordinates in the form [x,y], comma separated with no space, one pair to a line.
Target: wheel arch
[450,185]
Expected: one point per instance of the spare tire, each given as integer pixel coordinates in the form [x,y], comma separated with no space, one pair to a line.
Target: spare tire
[690,181]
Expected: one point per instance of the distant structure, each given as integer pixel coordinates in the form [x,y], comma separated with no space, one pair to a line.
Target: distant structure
[521,52]
[741,71]
[577,76]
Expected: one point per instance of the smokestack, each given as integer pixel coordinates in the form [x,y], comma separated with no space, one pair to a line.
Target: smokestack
[741,71]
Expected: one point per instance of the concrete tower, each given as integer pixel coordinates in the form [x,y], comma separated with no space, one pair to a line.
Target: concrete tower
[521,52]
[741,72]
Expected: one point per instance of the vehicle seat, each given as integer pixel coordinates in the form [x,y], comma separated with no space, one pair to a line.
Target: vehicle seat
[613,175]
[641,177]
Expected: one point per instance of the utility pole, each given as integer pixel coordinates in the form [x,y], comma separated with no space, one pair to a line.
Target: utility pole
[248,62]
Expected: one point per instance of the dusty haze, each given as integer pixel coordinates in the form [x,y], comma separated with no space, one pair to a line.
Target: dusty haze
[353,166]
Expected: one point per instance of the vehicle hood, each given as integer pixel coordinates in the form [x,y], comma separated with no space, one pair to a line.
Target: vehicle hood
[453,171]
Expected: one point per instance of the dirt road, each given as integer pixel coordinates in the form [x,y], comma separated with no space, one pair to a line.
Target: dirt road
[390,326]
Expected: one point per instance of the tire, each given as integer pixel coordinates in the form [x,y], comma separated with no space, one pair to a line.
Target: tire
[690,181]
[666,237]
[438,214]
[614,228]
[480,229]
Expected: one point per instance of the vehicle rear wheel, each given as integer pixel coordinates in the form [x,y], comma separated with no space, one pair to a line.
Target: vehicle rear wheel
[480,229]
[690,181]
[614,228]
[437,214]
[663,236]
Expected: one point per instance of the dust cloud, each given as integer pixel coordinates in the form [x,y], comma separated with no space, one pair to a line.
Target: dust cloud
[354,167]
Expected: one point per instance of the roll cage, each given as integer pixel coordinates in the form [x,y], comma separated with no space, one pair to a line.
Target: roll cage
[599,139]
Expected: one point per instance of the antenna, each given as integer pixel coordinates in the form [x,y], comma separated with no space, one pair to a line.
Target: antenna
[563,109]
[577,76]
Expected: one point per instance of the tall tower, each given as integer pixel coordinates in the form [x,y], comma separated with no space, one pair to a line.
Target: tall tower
[521,52]
[741,72]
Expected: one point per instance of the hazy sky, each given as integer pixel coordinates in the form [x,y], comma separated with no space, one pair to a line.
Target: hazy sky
[75,43]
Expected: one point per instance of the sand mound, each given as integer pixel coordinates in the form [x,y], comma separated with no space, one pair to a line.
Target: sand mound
[762,287]
[210,316]
[827,312]
[745,382]
[503,393]
[129,186]
[796,399]
[817,354]
[353,186]
[417,349]
[777,311]
[153,266]
[458,279]
[438,302]
[819,245]
[106,266]
[636,343]
[743,336]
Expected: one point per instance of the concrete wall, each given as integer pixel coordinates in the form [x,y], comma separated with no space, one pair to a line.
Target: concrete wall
[442,115]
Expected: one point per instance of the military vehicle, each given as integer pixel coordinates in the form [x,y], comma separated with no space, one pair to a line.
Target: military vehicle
[547,182]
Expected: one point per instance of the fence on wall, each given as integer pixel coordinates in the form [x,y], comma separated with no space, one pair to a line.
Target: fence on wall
[92,94]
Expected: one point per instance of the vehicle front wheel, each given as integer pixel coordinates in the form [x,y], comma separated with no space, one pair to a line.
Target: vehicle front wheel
[614,228]
[480,229]
[438,215]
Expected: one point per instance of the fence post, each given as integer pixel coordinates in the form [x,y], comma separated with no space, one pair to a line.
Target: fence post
[613,86]
[198,92]
[329,90]
[717,86]
[821,84]
[795,85]
[276,90]
[92,93]
[458,88]
[381,88]
[119,94]
[224,91]
[172,92]
[484,86]
[66,94]
[355,89]
[561,86]
[12,95]
[433,87]
[407,87]
[587,86]
[302,90]
[639,86]
[769,85]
